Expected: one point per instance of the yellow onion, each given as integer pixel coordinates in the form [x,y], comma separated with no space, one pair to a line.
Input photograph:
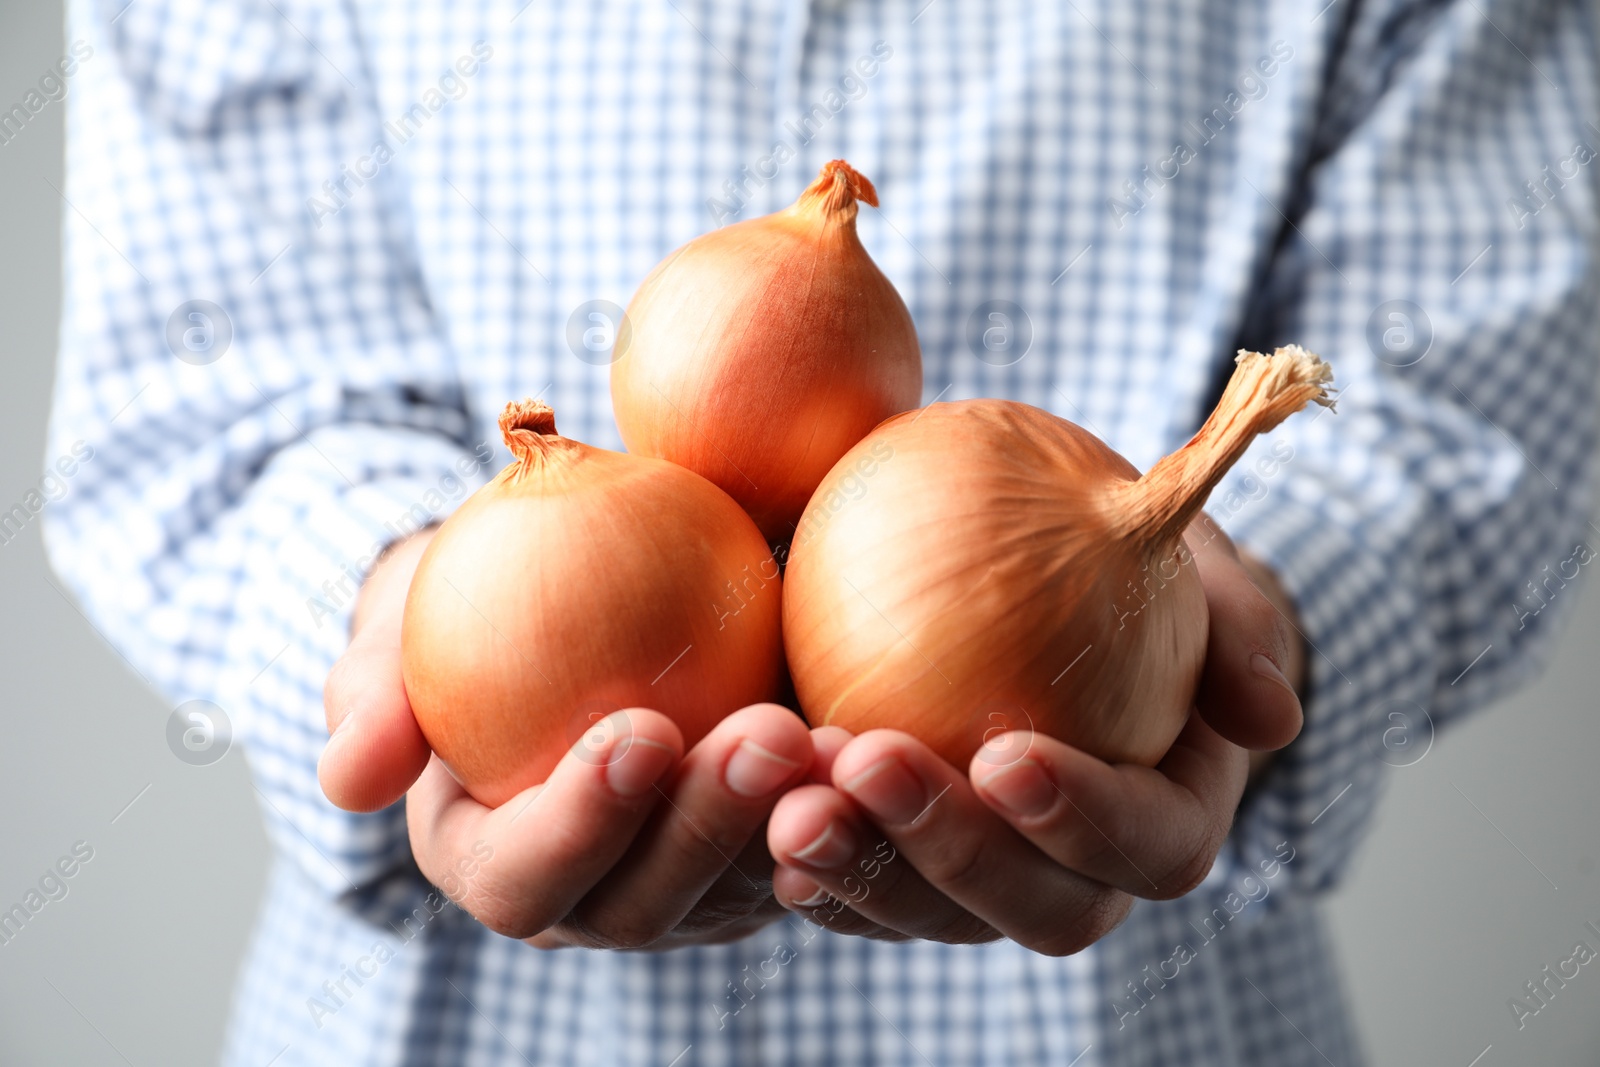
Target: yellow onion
[984,565]
[763,350]
[578,582]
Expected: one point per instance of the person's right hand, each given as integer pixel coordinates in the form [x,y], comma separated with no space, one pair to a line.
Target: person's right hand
[630,843]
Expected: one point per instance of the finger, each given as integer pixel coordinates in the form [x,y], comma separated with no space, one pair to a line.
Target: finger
[928,811]
[1244,692]
[955,873]
[826,742]
[799,892]
[377,750]
[543,849]
[1151,832]
[742,893]
[764,914]
[720,797]
[818,831]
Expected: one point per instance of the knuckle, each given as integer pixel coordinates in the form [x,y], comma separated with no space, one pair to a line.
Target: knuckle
[1188,873]
[1117,908]
[852,924]
[706,840]
[1280,640]
[965,929]
[708,917]
[504,916]
[484,898]
[958,868]
[1087,844]
[611,927]
[1193,868]
[1266,624]
[1104,912]
[1262,618]
[1094,848]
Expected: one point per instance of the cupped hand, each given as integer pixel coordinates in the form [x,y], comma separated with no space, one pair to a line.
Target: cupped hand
[1038,841]
[630,843]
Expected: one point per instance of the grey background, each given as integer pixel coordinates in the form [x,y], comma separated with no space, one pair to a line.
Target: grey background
[1444,917]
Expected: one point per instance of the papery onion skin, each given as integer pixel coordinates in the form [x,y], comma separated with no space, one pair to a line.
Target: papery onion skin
[579,582]
[984,566]
[762,351]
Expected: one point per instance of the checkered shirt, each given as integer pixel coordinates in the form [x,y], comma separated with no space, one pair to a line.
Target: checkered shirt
[398,215]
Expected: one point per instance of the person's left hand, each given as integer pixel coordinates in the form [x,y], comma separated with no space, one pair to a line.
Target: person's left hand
[1049,848]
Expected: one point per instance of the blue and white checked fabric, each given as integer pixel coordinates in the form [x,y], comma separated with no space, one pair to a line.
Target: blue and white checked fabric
[397,208]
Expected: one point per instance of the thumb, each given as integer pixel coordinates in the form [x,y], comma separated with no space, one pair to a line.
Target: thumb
[1247,692]
[377,750]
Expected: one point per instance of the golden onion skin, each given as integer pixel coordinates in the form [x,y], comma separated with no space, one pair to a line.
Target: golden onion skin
[762,351]
[984,566]
[956,574]
[589,582]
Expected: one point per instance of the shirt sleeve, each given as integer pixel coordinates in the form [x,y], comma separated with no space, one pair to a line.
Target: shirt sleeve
[1440,252]
[260,387]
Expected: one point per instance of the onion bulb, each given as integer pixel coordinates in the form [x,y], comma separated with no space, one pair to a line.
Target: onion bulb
[578,582]
[763,350]
[983,565]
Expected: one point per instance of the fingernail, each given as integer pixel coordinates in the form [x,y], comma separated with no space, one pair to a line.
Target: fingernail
[819,897]
[889,791]
[831,848]
[1263,666]
[636,764]
[1023,789]
[753,771]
